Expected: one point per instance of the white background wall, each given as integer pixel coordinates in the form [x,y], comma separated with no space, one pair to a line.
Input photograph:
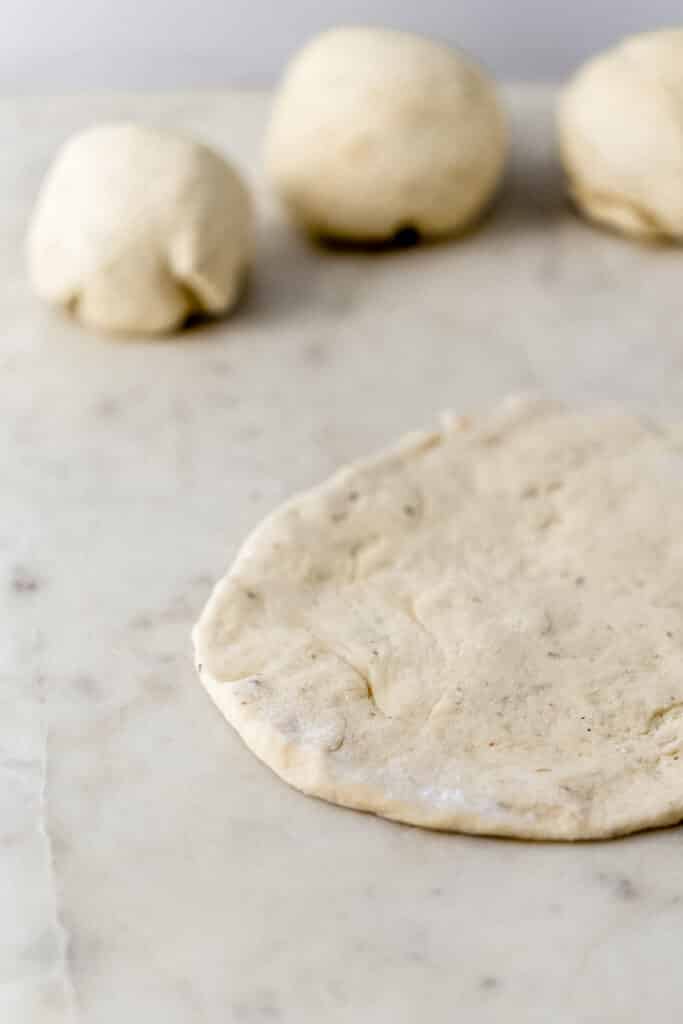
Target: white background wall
[67,45]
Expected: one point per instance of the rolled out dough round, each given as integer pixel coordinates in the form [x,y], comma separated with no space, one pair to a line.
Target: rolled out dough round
[480,630]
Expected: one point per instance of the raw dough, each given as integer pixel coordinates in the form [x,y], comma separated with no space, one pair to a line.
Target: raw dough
[621,135]
[479,630]
[375,132]
[135,229]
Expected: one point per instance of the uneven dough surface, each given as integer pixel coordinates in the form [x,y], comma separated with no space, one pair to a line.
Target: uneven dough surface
[480,630]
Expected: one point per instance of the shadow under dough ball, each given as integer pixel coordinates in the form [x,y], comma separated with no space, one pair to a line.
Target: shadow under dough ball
[620,124]
[135,230]
[377,133]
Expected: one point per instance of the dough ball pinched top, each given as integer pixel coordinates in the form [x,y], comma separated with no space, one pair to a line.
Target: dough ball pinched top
[480,630]
[136,229]
[621,134]
[377,131]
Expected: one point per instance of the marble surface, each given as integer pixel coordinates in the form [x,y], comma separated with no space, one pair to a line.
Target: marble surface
[151,869]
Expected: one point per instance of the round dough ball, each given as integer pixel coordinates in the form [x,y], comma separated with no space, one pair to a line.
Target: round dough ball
[136,229]
[621,136]
[376,132]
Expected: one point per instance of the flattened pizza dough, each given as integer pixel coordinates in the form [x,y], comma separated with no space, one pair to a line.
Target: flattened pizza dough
[480,630]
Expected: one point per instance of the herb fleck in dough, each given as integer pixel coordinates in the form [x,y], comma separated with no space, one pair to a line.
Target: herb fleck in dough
[479,630]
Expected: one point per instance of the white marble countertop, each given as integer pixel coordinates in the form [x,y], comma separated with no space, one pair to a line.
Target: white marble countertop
[151,869]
